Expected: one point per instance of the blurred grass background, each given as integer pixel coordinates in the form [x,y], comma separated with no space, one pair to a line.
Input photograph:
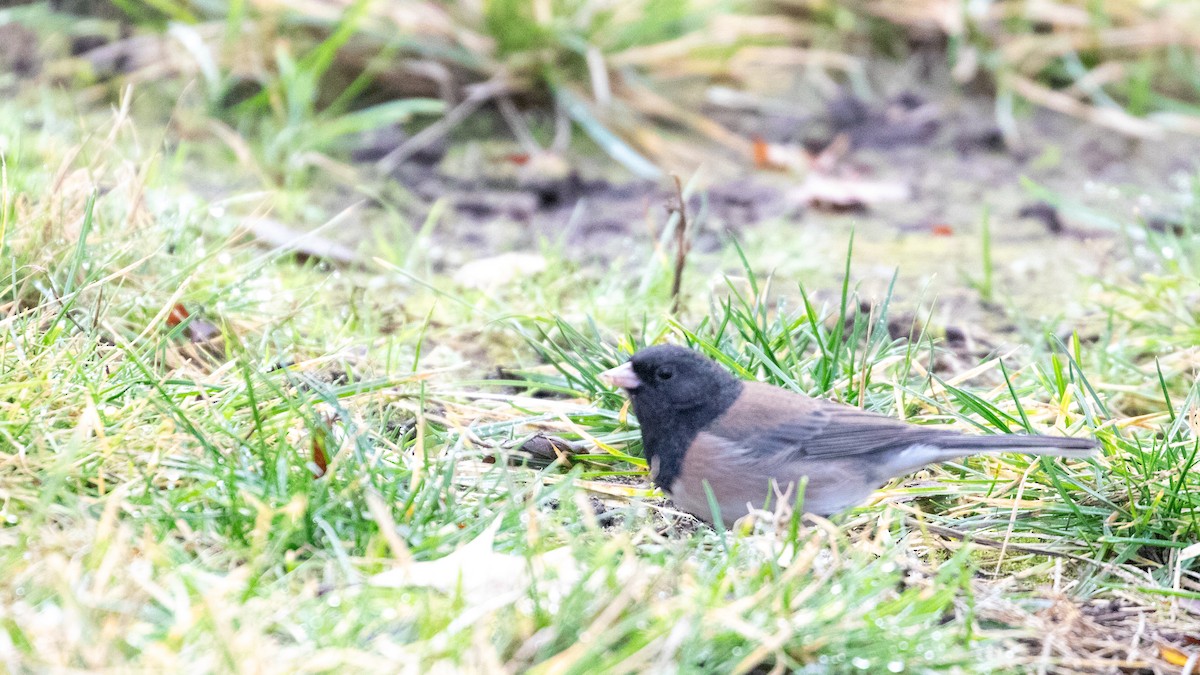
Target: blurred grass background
[627,73]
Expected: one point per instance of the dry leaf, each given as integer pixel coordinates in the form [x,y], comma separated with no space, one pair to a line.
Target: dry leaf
[848,193]
[549,447]
[1190,552]
[614,489]
[205,337]
[780,157]
[1172,655]
[198,330]
[482,573]
[320,462]
[499,270]
[277,235]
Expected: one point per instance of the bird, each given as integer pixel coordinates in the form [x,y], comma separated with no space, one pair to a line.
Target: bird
[703,430]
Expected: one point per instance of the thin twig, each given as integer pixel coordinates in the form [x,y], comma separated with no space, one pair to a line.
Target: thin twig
[512,116]
[681,243]
[479,95]
[562,129]
[1064,103]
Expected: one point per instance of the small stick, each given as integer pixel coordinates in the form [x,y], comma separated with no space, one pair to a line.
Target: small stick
[681,243]
[508,110]
[479,94]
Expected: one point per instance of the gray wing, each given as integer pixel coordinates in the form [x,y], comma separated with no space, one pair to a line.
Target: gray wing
[785,426]
[831,432]
[738,481]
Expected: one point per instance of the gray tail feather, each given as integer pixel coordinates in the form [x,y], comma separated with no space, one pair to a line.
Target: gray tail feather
[1052,446]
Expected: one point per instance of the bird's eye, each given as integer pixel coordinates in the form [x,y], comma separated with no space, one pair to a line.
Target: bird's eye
[665,374]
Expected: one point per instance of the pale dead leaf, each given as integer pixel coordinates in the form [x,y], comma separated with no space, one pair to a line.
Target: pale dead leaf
[1190,552]
[286,238]
[781,156]
[482,573]
[499,270]
[848,193]
[615,489]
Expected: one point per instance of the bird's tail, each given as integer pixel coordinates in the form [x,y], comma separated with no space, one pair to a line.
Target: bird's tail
[1052,446]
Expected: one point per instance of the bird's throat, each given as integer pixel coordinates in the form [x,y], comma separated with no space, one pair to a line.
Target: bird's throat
[668,433]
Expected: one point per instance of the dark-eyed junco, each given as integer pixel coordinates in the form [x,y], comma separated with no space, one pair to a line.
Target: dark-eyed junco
[701,425]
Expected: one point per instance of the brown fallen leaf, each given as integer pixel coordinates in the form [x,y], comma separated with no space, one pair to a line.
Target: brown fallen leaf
[197,330]
[319,457]
[321,441]
[178,315]
[549,447]
[205,342]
